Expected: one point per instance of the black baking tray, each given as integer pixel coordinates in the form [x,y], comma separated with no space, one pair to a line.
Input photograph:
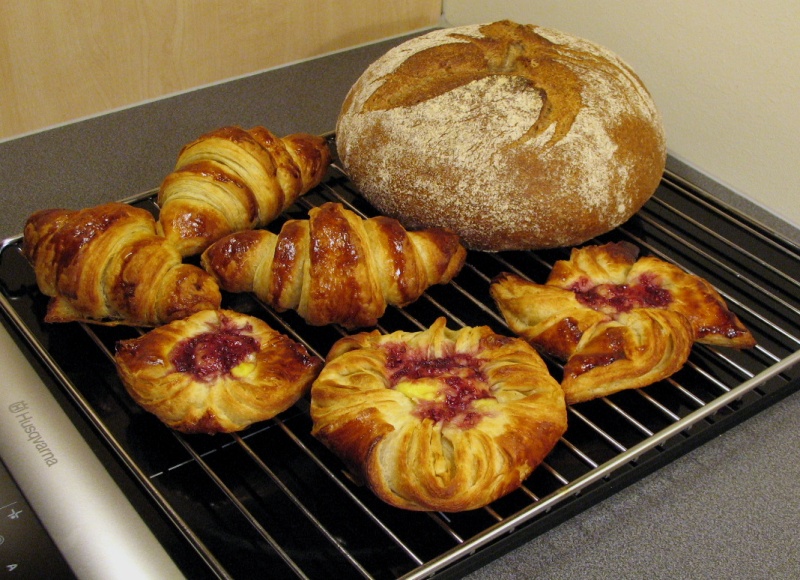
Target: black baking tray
[273,501]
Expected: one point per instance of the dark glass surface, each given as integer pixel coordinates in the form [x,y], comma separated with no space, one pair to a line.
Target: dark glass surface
[26,549]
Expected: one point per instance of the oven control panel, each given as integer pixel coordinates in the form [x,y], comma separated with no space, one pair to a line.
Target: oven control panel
[26,549]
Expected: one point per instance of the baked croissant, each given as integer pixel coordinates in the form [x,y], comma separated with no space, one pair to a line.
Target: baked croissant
[336,267]
[234,179]
[442,420]
[619,322]
[107,265]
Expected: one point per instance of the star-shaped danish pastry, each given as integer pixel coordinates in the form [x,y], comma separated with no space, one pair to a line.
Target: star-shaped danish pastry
[619,322]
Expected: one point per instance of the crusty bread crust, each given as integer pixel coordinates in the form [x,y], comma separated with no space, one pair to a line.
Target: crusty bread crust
[514,137]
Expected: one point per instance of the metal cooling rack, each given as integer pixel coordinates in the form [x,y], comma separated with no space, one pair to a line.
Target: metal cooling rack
[271,500]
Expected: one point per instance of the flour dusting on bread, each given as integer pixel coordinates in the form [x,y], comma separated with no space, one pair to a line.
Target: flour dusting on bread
[473,157]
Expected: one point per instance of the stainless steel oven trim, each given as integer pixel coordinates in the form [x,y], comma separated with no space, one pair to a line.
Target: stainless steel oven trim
[100,535]
[602,471]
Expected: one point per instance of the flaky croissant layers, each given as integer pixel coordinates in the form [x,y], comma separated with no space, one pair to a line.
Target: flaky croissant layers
[336,267]
[233,179]
[107,265]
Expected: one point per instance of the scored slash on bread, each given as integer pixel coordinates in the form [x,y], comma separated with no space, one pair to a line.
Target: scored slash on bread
[619,322]
[516,137]
[336,267]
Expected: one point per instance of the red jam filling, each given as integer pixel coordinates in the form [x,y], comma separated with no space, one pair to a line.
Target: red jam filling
[460,377]
[213,354]
[726,326]
[610,350]
[645,293]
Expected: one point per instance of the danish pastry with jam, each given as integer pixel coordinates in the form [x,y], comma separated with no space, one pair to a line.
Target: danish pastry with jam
[215,371]
[438,420]
[619,322]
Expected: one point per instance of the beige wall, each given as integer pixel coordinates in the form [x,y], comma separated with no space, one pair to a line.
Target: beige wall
[66,59]
[724,73]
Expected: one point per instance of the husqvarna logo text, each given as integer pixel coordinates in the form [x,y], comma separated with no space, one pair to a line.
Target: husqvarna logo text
[18,407]
[22,413]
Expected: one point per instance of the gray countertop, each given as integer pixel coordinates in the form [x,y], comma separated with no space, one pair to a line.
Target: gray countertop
[728,509]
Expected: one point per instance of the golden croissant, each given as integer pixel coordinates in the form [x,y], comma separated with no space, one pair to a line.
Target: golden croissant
[234,179]
[336,267]
[107,265]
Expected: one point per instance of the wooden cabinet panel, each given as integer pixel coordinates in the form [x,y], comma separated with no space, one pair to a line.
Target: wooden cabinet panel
[65,59]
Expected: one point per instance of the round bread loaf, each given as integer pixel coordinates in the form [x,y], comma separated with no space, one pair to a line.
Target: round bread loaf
[513,136]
